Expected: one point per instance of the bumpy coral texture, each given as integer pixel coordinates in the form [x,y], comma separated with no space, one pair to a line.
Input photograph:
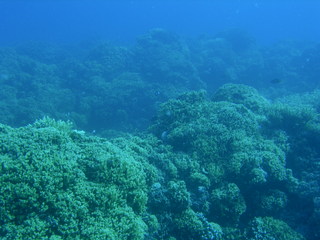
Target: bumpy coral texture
[213,168]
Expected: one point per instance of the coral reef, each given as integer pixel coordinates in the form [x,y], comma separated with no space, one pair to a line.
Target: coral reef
[101,85]
[181,158]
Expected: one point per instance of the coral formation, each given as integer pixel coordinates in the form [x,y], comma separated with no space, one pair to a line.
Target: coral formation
[211,163]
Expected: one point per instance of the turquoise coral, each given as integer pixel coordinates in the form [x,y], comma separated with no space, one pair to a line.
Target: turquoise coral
[224,171]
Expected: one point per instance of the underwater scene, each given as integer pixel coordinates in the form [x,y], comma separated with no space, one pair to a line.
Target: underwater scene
[159,120]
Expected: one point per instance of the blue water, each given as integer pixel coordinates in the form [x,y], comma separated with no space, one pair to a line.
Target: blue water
[65,21]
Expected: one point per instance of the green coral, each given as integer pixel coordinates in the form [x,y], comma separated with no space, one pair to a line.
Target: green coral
[191,225]
[227,204]
[48,188]
[242,94]
[268,228]
[178,196]
[291,118]
[210,162]
[230,144]
[222,135]
[273,201]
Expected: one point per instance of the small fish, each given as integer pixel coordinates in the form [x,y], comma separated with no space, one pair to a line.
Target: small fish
[276,81]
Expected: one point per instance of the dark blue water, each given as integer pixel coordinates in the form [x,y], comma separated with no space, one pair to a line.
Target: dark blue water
[65,21]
